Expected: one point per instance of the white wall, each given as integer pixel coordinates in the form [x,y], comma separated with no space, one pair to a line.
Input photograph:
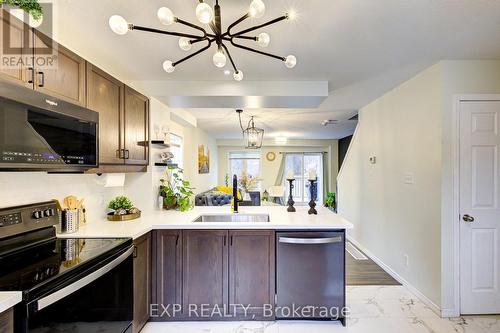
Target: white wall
[269,169]
[410,131]
[392,218]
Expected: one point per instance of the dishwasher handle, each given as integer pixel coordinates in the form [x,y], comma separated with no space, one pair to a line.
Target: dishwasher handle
[326,240]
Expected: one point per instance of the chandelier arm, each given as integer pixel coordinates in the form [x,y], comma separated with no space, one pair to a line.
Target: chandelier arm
[229,56]
[194,26]
[235,23]
[276,20]
[195,53]
[246,37]
[163,32]
[257,51]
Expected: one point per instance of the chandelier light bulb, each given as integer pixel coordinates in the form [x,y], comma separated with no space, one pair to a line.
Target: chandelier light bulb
[292,14]
[238,75]
[185,44]
[219,59]
[204,13]
[168,66]
[263,39]
[166,16]
[118,24]
[290,61]
[257,8]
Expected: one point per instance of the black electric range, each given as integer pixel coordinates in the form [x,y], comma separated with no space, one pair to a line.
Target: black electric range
[68,285]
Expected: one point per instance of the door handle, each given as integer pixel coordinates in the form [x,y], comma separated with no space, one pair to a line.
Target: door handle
[327,240]
[31,74]
[467,218]
[42,79]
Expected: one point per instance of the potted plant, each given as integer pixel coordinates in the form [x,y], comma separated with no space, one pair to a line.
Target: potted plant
[122,209]
[331,201]
[176,192]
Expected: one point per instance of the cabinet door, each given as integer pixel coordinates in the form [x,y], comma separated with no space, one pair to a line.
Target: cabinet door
[167,274]
[252,272]
[65,79]
[142,281]
[205,268]
[136,126]
[7,321]
[105,95]
[14,39]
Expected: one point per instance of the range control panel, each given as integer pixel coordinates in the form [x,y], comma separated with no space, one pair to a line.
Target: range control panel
[20,219]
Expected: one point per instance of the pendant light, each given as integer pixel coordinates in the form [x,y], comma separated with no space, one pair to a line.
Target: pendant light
[252,135]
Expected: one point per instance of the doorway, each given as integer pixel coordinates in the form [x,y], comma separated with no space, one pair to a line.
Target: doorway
[301,164]
[479,206]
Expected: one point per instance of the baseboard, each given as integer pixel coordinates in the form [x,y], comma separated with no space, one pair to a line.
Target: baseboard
[398,278]
[450,313]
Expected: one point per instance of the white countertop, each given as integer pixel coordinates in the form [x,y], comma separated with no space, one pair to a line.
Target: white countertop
[8,299]
[280,219]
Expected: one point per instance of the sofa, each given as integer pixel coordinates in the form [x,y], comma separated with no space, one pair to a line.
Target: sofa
[214,197]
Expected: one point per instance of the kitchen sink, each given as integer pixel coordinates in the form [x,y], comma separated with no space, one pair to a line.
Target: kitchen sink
[233,218]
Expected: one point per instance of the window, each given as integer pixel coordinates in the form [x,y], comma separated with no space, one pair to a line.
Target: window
[240,162]
[177,148]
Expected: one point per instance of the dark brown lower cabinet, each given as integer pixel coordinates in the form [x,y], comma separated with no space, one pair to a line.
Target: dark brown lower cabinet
[211,274]
[167,276]
[142,281]
[251,273]
[7,321]
[205,273]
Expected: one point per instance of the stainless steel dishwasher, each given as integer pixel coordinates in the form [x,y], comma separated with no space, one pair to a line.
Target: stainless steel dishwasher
[310,275]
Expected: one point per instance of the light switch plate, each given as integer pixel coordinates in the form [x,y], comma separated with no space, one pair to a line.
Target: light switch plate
[409,178]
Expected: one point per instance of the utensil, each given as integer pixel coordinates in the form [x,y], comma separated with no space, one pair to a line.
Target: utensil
[71,202]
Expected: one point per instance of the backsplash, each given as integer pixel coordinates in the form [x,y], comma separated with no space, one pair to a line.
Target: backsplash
[17,188]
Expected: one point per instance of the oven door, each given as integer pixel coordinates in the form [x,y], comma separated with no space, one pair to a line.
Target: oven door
[101,300]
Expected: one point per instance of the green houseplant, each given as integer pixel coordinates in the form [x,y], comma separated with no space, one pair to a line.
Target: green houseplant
[331,201]
[176,192]
[122,209]
[31,7]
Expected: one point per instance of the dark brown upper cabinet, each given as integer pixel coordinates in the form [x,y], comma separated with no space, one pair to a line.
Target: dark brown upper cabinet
[66,80]
[142,281]
[136,127]
[205,270]
[15,34]
[123,122]
[61,73]
[105,95]
[251,270]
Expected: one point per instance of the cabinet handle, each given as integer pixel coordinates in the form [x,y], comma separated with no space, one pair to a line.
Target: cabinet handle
[134,255]
[177,240]
[231,241]
[127,154]
[31,74]
[225,241]
[42,79]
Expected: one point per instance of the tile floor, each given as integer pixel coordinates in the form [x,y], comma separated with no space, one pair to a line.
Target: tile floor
[385,309]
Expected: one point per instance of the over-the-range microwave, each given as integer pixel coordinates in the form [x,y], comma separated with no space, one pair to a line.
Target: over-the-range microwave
[42,133]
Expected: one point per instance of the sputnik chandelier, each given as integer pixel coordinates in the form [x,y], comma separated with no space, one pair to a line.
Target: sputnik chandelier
[212,17]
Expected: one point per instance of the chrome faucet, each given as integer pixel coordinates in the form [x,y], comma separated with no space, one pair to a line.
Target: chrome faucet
[235,194]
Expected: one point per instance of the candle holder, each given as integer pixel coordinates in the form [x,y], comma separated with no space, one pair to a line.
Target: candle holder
[312,204]
[290,202]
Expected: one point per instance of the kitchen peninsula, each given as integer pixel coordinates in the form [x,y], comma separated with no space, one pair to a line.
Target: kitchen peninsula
[196,267]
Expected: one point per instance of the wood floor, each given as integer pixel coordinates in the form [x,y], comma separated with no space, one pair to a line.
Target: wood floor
[366,273]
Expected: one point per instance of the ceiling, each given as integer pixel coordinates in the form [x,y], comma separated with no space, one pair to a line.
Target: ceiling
[361,48]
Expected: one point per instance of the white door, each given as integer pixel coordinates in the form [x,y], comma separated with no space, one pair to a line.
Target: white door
[479,207]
